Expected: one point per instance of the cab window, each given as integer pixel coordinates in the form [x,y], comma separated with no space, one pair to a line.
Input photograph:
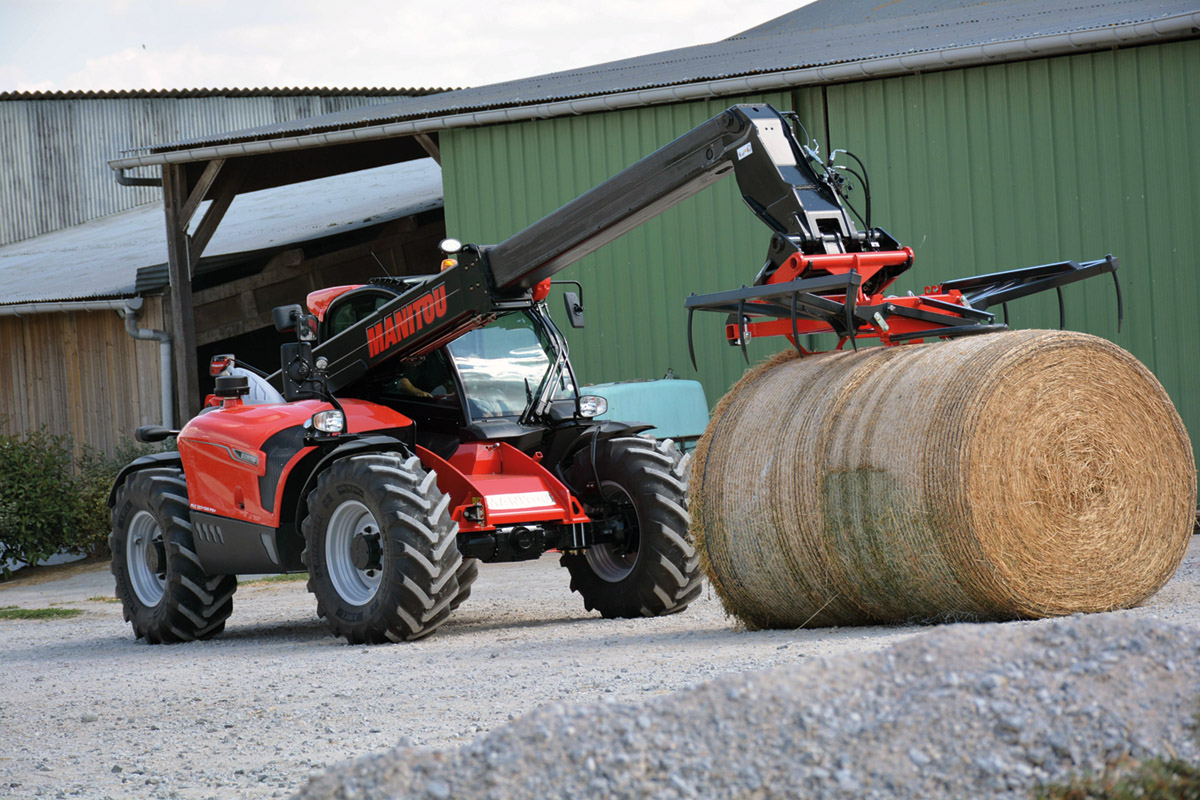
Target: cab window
[352,308]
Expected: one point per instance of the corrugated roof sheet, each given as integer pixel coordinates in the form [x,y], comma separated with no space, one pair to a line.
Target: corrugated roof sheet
[264,91]
[824,33]
[102,258]
[55,152]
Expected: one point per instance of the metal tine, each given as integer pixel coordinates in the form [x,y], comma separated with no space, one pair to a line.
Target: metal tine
[795,330]
[1120,304]
[851,328]
[691,346]
[1004,306]
[742,330]
[1062,310]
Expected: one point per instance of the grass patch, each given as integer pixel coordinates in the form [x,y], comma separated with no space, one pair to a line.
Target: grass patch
[1153,779]
[16,612]
[287,578]
[102,598]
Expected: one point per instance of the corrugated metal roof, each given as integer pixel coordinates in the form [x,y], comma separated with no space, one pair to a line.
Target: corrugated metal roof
[54,172]
[263,91]
[102,258]
[824,33]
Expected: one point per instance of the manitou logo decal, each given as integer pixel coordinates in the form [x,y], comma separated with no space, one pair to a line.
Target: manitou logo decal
[397,327]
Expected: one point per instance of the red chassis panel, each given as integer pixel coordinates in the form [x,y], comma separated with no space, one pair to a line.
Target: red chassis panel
[224,451]
[225,456]
[493,484]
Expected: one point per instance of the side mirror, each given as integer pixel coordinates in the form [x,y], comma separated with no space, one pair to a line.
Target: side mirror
[293,318]
[298,372]
[574,309]
[153,433]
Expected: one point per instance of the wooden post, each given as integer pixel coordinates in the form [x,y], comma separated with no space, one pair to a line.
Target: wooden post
[183,325]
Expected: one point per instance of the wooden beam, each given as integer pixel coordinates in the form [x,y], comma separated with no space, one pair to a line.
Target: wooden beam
[183,328]
[429,146]
[203,184]
[274,270]
[237,299]
[225,193]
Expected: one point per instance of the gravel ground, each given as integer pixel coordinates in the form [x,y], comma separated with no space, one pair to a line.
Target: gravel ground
[968,711]
[85,711]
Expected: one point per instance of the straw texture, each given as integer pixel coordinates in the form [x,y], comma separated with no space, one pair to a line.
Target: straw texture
[1019,474]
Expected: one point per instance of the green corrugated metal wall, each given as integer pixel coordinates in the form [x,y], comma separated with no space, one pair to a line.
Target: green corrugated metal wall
[978,169]
[499,179]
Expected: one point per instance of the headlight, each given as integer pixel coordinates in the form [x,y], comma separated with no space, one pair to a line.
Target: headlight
[332,421]
[592,405]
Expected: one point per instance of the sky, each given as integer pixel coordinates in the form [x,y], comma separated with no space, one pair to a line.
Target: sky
[49,45]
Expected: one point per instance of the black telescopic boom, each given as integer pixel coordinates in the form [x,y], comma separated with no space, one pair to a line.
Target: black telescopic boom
[774,177]
[755,142]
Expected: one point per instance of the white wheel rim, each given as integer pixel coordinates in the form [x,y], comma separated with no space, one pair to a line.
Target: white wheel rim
[612,562]
[147,585]
[354,585]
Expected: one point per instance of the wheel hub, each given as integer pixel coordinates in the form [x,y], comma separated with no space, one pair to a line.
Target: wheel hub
[156,557]
[146,558]
[354,552]
[614,561]
[365,552]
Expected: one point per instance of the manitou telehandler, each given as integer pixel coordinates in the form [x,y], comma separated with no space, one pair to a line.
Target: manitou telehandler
[421,425]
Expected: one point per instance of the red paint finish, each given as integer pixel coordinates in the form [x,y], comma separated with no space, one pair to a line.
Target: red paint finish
[223,456]
[512,487]
[318,302]
[868,266]
[865,264]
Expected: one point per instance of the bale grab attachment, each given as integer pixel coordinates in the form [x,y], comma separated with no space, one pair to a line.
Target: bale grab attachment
[827,294]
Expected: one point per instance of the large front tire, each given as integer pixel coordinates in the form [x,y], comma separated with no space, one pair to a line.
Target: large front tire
[381,550]
[655,570]
[166,595]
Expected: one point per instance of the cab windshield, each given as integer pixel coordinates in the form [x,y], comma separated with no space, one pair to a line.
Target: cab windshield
[505,366]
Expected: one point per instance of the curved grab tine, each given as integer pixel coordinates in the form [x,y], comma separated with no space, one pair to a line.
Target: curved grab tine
[851,328]
[1062,310]
[691,346]
[1120,303]
[1004,307]
[742,328]
[795,330]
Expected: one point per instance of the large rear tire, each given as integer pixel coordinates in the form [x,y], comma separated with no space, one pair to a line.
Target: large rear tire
[655,570]
[166,595]
[381,550]
[468,571]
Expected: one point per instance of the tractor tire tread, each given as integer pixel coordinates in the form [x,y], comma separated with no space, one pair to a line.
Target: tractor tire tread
[666,575]
[194,605]
[418,591]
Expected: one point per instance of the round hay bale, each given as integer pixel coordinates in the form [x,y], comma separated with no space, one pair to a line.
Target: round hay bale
[1020,474]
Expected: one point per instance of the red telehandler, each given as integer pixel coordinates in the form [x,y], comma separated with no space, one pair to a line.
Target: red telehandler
[418,426]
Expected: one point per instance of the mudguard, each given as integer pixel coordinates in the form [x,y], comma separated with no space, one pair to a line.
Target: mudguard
[170,458]
[367,443]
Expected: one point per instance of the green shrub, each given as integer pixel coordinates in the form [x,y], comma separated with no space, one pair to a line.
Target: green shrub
[37,498]
[51,502]
[94,475]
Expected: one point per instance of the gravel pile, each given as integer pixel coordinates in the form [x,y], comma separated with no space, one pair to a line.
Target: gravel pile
[964,711]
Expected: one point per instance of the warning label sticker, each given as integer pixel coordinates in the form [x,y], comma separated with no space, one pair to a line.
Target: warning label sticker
[510,502]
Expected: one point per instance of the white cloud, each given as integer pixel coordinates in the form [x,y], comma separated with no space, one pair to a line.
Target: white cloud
[186,67]
[232,43]
[15,78]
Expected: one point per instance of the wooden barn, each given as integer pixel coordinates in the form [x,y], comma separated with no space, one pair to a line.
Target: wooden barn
[85,335]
